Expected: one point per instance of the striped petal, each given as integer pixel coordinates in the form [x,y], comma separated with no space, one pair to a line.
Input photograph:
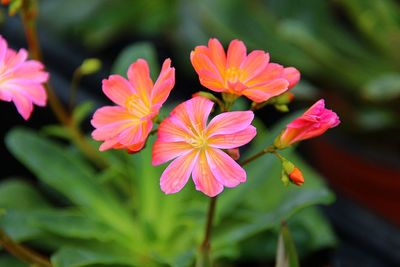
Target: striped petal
[228,141]
[229,123]
[178,172]
[118,89]
[204,179]
[225,169]
[165,151]
[236,54]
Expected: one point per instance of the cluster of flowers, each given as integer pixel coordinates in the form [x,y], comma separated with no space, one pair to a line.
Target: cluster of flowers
[198,148]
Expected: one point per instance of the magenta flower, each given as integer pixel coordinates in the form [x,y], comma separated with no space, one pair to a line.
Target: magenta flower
[197,147]
[127,125]
[314,122]
[21,80]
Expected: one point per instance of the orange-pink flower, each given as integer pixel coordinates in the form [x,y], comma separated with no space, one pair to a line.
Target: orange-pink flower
[21,80]
[197,147]
[127,125]
[239,74]
[314,122]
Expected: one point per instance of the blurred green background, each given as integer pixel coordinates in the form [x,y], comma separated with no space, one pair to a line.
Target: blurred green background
[347,52]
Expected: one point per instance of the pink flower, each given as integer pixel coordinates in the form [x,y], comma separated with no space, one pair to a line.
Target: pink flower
[314,122]
[21,80]
[127,125]
[196,147]
[240,74]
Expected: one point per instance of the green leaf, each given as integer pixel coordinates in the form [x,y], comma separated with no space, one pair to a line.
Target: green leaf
[56,130]
[11,192]
[91,255]
[132,53]
[384,88]
[82,111]
[71,224]
[18,225]
[286,255]
[75,179]
[8,261]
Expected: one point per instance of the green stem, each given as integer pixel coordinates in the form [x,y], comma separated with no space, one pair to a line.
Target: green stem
[76,78]
[205,260]
[23,253]
[28,14]
[270,149]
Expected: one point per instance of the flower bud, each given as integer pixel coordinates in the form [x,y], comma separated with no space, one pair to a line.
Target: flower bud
[296,177]
[290,173]
[314,122]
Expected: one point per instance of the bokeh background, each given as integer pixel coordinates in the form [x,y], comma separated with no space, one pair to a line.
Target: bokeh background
[348,52]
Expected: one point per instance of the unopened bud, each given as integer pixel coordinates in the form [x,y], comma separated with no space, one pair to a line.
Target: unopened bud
[90,66]
[291,173]
[296,177]
[284,98]
[285,179]
[282,107]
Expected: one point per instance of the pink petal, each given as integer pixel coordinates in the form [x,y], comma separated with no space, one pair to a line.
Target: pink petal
[24,105]
[271,72]
[30,72]
[198,109]
[217,54]
[292,75]
[118,89]
[227,171]
[14,59]
[203,64]
[265,91]
[229,122]
[172,129]
[204,179]
[36,93]
[228,141]
[163,151]
[136,133]
[3,49]
[110,121]
[139,77]
[236,54]
[108,144]
[164,83]
[6,95]
[178,172]
[254,64]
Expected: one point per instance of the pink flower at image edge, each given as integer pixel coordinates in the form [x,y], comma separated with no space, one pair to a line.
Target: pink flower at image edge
[21,80]
[237,73]
[197,147]
[128,124]
[314,122]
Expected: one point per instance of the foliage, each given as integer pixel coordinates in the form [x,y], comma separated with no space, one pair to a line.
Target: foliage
[119,216]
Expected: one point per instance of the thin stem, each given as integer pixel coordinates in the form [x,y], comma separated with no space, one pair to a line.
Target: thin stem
[28,14]
[204,259]
[76,78]
[270,149]
[23,253]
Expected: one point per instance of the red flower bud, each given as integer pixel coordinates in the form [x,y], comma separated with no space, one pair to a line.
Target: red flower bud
[296,177]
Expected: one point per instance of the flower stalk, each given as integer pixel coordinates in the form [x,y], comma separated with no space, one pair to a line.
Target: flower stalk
[23,253]
[29,13]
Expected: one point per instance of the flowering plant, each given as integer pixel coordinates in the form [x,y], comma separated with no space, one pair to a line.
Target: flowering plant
[116,211]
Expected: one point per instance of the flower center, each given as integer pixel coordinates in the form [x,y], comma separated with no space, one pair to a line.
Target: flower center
[197,142]
[234,75]
[135,105]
